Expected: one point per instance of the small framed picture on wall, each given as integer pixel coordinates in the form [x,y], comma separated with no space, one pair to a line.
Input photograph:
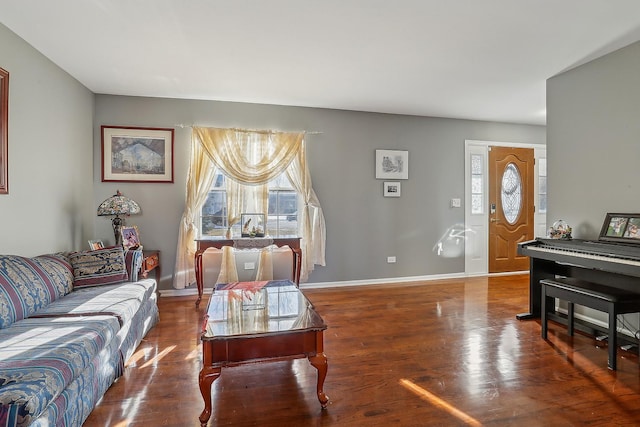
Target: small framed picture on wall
[391,189]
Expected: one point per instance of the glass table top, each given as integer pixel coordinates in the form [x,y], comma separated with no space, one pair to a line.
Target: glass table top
[258,308]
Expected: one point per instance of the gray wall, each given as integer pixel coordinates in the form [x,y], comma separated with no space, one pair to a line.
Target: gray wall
[593,125]
[50,134]
[593,131]
[363,227]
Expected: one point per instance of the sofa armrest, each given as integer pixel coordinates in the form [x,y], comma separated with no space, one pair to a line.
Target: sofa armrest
[133,262]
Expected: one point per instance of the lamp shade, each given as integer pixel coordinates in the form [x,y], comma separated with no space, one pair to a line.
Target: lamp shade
[118,205]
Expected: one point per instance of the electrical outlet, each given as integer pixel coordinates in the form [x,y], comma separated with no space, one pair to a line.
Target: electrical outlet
[391,259]
[249,265]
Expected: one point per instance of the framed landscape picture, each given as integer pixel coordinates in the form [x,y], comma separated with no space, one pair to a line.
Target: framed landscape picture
[135,154]
[621,227]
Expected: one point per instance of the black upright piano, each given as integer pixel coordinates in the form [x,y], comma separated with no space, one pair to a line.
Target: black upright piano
[613,259]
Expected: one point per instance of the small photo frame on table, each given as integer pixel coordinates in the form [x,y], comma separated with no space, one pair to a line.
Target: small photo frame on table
[252,225]
[130,237]
[392,189]
[136,154]
[621,227]
[95,245]
[392,164]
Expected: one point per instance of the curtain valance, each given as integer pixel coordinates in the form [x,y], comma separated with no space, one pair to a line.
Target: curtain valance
[249,157]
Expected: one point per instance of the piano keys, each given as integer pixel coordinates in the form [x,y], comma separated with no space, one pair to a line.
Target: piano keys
[611,263]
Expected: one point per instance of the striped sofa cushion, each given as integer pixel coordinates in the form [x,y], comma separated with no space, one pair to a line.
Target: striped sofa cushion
[41,357]
[29,284]
[122,300]
[100,267]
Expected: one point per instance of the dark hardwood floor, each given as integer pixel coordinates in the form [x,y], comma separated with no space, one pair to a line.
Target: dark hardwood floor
[446,353]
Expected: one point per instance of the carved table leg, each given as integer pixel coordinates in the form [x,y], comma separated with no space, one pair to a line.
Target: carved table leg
[208,375]
[199,284]
[319,361]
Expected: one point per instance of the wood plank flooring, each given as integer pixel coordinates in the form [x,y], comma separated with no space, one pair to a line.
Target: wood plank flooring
[446,353]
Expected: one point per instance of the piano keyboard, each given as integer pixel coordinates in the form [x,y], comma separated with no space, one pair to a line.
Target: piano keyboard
[607,257]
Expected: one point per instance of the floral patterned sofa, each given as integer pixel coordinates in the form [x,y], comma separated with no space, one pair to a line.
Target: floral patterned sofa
[68,322]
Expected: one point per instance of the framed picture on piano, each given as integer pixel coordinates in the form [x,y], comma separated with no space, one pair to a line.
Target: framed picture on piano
[621,227]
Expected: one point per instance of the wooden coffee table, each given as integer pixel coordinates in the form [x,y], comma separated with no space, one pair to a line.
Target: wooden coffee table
[249,322]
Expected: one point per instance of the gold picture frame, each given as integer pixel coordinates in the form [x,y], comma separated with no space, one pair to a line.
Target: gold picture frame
[130,237]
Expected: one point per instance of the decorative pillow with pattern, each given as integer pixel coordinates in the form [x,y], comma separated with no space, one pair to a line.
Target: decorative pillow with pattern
[56,272]
[29,284]
[100,267]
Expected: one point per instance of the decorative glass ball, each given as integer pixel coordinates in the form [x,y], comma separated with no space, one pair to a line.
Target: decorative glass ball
[560,230]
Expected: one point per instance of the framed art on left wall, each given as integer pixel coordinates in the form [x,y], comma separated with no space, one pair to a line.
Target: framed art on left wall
[136,154]
[4,132]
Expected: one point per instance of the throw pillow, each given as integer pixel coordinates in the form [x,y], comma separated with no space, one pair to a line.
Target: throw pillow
[29,284]
[55,270]
[17,298]
[100,267]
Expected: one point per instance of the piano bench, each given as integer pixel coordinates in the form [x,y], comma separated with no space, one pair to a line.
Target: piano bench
[613,301]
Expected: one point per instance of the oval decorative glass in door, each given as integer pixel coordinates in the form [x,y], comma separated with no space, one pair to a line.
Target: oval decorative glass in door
[511,193]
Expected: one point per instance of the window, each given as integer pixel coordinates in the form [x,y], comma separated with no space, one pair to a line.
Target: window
[542,185]
[477,184]
[282,218]
[511,193]
[213,217]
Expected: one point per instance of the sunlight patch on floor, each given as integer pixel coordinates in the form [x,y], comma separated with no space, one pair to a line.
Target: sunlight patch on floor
[195,354]
[158,357]
[436,401]
[135,357]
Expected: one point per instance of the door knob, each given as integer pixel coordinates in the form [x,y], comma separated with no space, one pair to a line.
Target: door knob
[494,219]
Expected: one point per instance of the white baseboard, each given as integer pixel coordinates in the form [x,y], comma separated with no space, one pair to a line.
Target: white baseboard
[409,279]
[321,285]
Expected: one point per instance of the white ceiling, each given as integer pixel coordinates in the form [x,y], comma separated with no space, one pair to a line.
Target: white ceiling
[472,59]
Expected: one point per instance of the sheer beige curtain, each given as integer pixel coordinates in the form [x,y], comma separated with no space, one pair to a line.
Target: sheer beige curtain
[249,160]
[228,270]
[245,198]
[311,226]
[199,180]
